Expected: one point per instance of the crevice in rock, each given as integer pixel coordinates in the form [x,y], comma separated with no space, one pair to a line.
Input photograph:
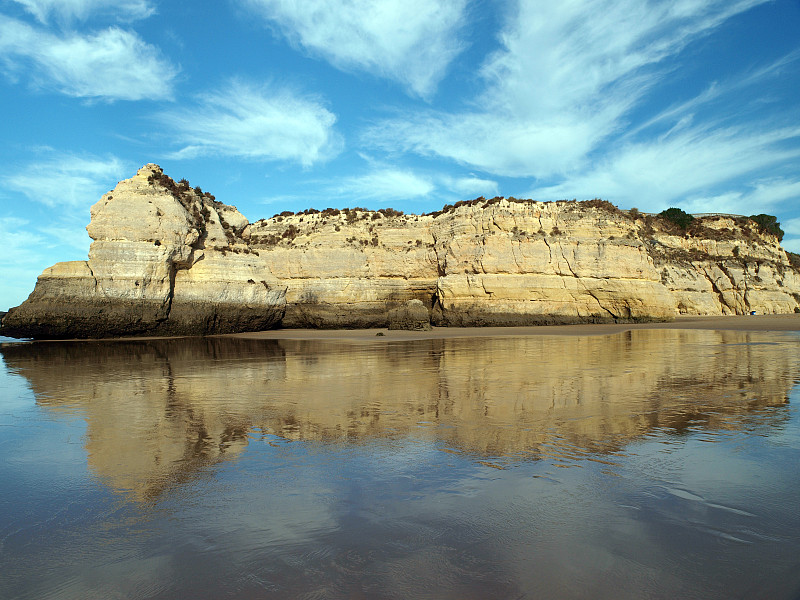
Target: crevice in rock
[740,294]
[715,289]
[170,295]
[91,272]
[585,287]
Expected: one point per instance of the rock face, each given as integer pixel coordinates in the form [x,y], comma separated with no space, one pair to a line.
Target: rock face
[508,262]
[728,268]
[167,259]
[412,316]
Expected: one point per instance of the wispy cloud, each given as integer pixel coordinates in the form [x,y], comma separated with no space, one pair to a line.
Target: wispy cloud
[19,275]
[65,186]
[33,249]
[385,184]
[792,226]
[471,186]
[66,11]
[409,41]
[257,123]
[19,239]
[112,64]
[694,167]
[719,93]
[65,181]
[792,240]
[773,195]
[565,79]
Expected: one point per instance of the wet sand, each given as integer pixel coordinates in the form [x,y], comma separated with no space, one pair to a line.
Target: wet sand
[723,323]
[718,323]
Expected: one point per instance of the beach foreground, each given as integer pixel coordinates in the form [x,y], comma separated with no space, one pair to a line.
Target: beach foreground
[724,323]
[716,323]
[658,462]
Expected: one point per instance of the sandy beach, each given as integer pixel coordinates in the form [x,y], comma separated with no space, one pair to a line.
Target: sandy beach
[719,323]
[726,323]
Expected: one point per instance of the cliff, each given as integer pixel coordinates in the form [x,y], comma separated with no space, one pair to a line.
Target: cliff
[168,259]
[165,259]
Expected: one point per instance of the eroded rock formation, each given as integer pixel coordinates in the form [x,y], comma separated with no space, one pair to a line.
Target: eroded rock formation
[167,259]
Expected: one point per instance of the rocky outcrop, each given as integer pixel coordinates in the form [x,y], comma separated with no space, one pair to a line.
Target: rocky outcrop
[511,262]
[726,267]
[411,316]
[168,259]
[165,259]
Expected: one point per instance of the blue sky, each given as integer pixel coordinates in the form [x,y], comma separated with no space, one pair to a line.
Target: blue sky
[276,105]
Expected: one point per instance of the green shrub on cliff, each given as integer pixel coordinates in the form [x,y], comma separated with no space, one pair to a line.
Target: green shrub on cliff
[677,216]
[768,224]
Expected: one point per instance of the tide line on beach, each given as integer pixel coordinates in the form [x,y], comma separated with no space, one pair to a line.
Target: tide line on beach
[719,323]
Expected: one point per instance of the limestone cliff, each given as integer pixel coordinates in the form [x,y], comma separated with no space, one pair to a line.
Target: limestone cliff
[165,259]
[169,259]
[510,262]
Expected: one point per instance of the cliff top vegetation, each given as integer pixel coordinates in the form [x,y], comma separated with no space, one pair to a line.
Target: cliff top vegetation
[672,218]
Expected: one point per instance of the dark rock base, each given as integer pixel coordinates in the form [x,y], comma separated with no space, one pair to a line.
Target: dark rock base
[81,319]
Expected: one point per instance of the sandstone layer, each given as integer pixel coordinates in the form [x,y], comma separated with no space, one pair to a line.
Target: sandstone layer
[168,259]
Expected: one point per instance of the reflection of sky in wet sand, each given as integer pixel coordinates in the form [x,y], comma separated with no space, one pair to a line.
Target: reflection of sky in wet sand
[657,461]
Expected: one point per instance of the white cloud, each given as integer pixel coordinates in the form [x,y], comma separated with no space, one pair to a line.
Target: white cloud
[256,123]
[792,240]
[18,240]
[385,184]
[80,10]
[390,184]
[65,181]
[792,227]
[409,41]
[70,233]
[113,64]
[470,186]
[792,245]
[687,167]
[32,253]
[566,77]
[68,185]
[763,197]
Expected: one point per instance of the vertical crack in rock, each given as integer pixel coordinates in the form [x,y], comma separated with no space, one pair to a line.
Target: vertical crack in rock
[441,262]
[514,245]
[173,271]
[94,277]
[581,282]
[546,243]
[714,287]
[746,297]
[740,295]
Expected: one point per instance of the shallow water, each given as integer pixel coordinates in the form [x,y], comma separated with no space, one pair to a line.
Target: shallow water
[647,464]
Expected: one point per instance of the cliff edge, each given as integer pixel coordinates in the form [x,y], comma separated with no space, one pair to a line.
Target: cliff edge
[165,260]
[169,259]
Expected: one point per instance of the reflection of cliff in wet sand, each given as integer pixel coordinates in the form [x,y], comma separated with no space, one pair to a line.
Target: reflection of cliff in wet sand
[158,411]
